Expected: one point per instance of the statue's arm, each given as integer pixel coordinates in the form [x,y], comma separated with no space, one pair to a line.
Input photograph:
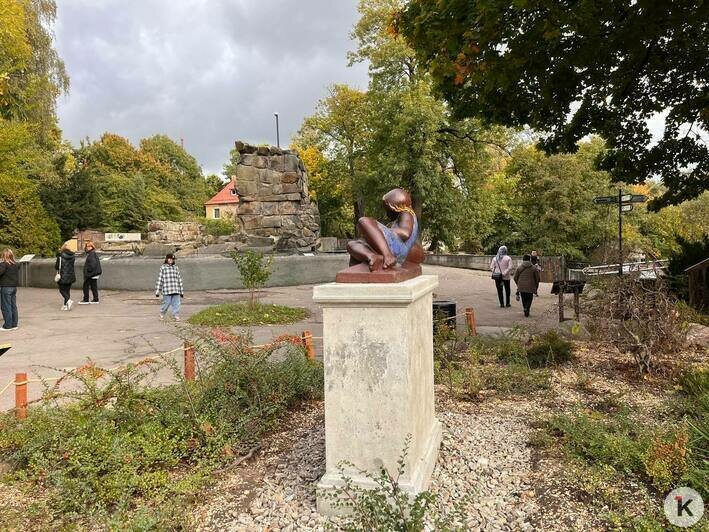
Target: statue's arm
[405,226]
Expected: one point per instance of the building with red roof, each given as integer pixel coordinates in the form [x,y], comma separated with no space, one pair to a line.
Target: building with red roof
[224,202]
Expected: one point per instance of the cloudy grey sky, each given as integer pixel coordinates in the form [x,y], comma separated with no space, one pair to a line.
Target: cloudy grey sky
[207,71]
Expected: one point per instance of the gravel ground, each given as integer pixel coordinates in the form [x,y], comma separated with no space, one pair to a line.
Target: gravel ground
[483,455]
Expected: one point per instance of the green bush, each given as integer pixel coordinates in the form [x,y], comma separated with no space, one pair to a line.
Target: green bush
[604,440]
[123,450]
[658,455]
[219,227]
[548,349]
[254,270]
[469,365]
[385,506]
[694,406]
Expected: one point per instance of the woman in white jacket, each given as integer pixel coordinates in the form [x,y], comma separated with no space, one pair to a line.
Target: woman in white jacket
[501,268]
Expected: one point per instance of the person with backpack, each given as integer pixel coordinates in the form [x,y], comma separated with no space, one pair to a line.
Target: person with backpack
[527,281]
[170,284]
[65,276]
[501,267]
[92,271]
[9,279]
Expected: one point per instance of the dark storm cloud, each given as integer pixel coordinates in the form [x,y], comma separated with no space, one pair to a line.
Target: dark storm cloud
[206,71]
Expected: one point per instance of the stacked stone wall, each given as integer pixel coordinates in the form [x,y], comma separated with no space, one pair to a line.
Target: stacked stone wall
[272,185]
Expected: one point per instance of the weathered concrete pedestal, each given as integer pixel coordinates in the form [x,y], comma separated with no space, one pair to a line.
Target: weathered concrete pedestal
[378,355]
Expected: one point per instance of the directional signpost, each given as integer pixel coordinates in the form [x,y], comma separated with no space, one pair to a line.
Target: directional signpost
[625,204]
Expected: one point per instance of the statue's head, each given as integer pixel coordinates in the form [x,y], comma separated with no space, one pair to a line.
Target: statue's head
[397,200]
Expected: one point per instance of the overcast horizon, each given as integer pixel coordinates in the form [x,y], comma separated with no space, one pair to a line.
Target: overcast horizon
[206,72]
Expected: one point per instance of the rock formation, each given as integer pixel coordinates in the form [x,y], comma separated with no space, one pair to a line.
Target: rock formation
[272,185]
[274,210]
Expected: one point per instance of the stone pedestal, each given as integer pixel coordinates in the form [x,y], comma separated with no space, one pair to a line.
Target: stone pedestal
[378,345]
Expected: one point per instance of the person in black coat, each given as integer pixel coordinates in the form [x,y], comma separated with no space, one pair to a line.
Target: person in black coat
[65,277]
[9,277]
[92,271]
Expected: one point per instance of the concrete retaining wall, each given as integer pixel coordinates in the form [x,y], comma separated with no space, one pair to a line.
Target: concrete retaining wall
[551,266]
[207,273]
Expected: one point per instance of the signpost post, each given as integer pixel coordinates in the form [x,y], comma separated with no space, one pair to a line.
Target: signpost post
[625,204]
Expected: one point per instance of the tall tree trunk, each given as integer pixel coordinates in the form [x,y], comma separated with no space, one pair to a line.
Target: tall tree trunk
[358,205]
[418,206]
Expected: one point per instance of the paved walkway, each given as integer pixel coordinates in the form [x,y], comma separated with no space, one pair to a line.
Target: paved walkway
[124,327]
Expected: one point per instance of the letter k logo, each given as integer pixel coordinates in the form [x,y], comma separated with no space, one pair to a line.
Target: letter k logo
[683,507]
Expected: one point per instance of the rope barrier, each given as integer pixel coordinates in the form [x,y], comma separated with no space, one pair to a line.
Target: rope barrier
[7,386]
[21,381]
[448,318]
[69,370]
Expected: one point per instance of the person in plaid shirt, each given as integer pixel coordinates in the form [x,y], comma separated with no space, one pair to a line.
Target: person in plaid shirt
[170,284]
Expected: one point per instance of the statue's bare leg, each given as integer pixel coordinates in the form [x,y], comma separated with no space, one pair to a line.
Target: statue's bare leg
[360,252]
[369,229]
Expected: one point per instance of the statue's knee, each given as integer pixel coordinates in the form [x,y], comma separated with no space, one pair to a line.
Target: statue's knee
[365,221]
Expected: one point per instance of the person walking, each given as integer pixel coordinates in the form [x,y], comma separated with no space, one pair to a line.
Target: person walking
[92,271]
[65,276]
[170,284]
[535,261]
[527,281]
[9,277]
[501,268]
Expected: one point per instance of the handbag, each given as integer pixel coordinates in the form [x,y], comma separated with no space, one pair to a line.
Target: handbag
[496,275]
[57,276]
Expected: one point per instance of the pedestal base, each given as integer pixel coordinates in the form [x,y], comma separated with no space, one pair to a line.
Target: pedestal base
[378,357]
[418,482]
[360,274]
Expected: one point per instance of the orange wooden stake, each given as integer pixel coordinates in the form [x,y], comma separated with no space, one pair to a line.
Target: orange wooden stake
[21,395]
[189,362]
[470,318]
[308,344]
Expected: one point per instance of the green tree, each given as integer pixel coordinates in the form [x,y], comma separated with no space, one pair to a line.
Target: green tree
[213,184]
[73,202]
[414,141]
[24,223]
[613,64]
[339,129]
[553,196]
[254,270]
[176,172]
[160,180]
[392,62]
[32,75]
[331,193]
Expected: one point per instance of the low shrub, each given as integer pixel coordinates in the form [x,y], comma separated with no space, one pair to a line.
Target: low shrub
[548,349]
[254,269]
[123,451]
[689,315]
[694,406]
[657,455]
[385,506]
[220,226]
[613,440]
[245,314]
[471,365]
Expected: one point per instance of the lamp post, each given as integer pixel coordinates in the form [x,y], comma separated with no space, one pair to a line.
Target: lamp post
[278,137]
